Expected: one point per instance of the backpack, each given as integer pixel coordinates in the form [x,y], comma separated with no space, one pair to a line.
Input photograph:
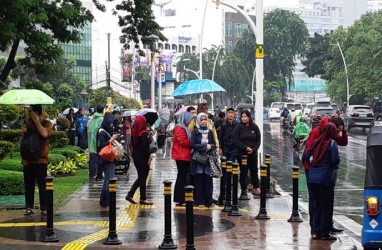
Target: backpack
[31,145]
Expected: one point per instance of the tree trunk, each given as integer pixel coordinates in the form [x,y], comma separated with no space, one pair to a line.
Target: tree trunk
[11,64]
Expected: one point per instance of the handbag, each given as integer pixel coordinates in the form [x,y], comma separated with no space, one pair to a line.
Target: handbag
[199,158]
[118,149]
[107,153]
[216,170]
[153,147]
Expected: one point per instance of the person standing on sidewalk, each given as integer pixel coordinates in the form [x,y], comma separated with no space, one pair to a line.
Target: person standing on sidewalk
[181,153]
[226,135]
[141,155]
[36,170]
[72,126]
[202,140]
[324,157]
[106,136]
[247,139]
[93,126]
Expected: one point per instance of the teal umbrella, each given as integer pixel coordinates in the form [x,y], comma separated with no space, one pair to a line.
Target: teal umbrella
[198,86]
[25,96]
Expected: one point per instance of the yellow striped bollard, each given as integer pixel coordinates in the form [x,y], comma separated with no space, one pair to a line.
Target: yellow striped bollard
[228,202]
[243,161]
[168,242]
[268,163]
[263,215]
[112,238]
[235,182]
[295,217]
[189,198]
[49,236]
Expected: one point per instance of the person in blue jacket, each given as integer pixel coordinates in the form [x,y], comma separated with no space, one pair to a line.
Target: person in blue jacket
[324,157]
[202,140]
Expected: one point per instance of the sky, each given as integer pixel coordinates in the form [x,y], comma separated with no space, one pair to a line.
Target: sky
[107,23]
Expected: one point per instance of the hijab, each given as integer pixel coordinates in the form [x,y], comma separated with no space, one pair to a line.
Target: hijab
[107,122]
[139,128]
[321,144]
[184,120]
[202,130]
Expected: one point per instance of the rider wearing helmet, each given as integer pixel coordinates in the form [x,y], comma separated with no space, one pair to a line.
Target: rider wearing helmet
[301,131]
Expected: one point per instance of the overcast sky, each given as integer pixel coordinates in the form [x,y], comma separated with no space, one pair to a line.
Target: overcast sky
[107,23]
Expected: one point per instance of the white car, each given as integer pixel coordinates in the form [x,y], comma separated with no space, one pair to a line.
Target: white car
[275,110]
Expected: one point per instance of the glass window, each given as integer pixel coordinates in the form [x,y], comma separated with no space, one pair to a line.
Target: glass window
[238,30]
[228,29]
[228,46]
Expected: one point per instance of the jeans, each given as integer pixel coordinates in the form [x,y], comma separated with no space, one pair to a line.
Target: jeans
[33,172]
[93,164]
[230,154]
[109,171]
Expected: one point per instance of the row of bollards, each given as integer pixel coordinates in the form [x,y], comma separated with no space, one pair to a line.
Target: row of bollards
[228,196]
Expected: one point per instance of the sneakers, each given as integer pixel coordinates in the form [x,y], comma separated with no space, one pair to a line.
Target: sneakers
[28,212]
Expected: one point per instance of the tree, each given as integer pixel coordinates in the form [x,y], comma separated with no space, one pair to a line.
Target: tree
[316,54]
[40,25]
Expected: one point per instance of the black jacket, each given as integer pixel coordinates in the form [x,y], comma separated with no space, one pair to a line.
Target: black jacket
[226,134]
[246,136]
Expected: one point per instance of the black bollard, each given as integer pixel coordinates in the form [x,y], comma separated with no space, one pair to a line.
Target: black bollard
[168,242]
[295,217]
[50,236]
[263,215]
[189,198]
[222,196]
[268,163]
[244,162]
[228,203]
[112,238]
[235,182]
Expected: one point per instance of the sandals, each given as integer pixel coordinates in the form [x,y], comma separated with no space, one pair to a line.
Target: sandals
[28,212]
[43,212]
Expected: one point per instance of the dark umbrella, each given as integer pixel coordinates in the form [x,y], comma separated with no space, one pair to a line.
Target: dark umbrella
[150,114]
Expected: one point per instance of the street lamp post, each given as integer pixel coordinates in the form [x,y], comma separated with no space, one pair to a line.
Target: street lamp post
[152,39]
[213,73]
[346,73]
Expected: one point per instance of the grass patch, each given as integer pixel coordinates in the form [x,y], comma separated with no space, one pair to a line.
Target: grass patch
[65,186]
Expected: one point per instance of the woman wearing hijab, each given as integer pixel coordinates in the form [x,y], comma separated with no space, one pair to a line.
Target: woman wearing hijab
[181,153]
[106,136]
[247,139]
[141,155]
[324,157]
[202,140]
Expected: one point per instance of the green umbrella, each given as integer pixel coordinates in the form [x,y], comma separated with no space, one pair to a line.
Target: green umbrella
[25,96]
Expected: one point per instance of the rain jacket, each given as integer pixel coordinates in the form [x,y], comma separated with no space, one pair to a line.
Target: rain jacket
[301,129]
[298,117]
[94,125]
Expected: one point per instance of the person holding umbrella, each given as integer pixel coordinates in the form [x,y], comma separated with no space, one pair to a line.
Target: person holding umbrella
[141,155]
[36,170]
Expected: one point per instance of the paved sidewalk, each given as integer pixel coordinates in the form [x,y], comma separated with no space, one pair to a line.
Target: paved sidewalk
[82,223]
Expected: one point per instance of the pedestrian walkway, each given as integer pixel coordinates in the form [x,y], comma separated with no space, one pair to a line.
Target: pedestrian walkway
[81,223]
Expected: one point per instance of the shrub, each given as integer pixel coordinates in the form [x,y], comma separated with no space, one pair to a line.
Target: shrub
[62,124]
[81,161]
[75,148]
[6,147]
[68,153]
[11,164]
[62,168]
[56,158]
[11,135]
[55,139]
[11,182]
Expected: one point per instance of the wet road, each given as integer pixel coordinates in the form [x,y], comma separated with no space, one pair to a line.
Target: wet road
[349,189]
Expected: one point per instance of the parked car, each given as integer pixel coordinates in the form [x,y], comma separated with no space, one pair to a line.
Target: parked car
[317,113]
[359,116]
[372,218]
[275,110]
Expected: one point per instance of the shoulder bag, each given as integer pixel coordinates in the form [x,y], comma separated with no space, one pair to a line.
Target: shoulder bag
[199,157]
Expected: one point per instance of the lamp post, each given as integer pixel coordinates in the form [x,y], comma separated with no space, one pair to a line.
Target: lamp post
[213,73]
[346,73]
[152,39]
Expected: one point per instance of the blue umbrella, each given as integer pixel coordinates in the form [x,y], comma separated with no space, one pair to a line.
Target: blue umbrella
[198,86]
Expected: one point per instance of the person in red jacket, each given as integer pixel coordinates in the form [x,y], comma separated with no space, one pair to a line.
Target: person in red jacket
[181,153]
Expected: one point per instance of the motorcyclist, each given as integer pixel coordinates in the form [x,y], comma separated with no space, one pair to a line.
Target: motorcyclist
[300,132]
[284,114]
[292,116]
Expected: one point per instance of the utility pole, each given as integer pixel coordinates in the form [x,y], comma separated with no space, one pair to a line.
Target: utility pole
[108,66]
